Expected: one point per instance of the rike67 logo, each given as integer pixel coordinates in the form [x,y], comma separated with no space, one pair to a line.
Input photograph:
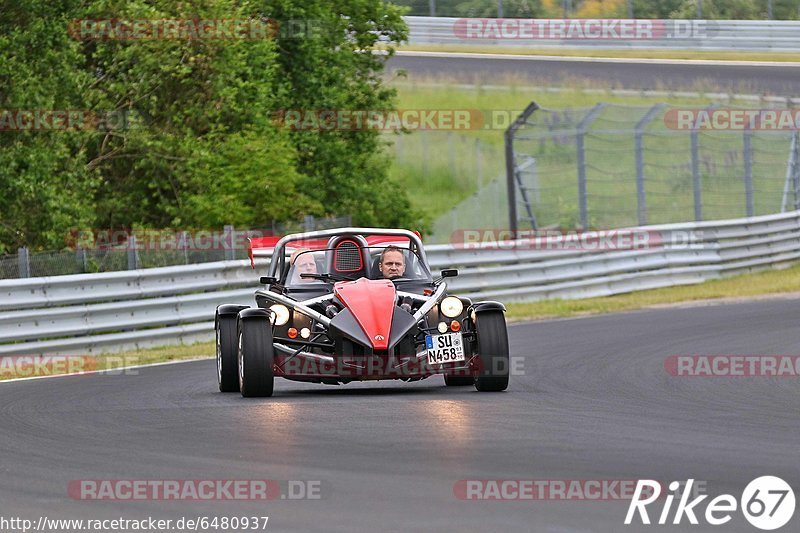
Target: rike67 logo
[767,503]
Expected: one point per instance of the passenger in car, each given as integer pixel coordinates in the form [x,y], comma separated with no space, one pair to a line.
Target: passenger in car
[303,262]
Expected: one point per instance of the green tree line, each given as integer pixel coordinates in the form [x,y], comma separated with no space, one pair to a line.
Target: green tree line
[193,142]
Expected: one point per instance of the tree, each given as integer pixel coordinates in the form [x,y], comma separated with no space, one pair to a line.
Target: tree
[197,146]
[45,186]
[346,171]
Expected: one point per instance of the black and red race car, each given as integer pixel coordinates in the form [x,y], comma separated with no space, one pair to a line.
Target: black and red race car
[356,304]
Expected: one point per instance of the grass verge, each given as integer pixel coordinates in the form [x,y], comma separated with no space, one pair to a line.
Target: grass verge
[25,366]
[745,286]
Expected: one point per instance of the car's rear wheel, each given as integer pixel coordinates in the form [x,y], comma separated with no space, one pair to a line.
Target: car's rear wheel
[492,347]
[256,355]
[227,360]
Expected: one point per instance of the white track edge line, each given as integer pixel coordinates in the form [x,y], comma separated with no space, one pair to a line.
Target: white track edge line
[89,372]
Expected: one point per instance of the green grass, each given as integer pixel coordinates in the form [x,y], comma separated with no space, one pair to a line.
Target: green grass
[440,169]
[21,367]
[743,286]
[614,53]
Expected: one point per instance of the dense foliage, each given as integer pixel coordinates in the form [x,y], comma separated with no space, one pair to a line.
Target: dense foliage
[191,140]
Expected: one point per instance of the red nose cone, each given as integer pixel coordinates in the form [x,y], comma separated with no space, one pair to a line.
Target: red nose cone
[372,304]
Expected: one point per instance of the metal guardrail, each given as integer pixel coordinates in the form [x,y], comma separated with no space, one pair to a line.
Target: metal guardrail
[90,313]
[742,35]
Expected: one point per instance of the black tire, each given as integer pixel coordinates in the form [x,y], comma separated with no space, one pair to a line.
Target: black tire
[458,381]
[227,358]
[256,355]
[492,350]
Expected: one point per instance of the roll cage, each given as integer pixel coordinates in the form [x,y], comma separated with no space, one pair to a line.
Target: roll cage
[333,240]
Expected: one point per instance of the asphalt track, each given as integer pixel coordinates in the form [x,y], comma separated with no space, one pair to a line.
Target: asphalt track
[781,80]
[593,401]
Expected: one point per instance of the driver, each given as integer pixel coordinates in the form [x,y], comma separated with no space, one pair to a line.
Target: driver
[304,263]
[393,262]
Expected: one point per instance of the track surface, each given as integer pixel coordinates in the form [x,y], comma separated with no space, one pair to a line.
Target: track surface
[594,403]
[778,80]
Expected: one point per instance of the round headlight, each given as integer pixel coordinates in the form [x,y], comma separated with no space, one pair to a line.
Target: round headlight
[451,307]
[280,314]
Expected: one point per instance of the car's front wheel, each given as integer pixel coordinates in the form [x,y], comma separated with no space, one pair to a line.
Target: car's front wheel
[227,364]
[256,355]
[492,347]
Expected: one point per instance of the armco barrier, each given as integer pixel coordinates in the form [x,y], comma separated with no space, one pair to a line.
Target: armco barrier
[90,313]
[739,35]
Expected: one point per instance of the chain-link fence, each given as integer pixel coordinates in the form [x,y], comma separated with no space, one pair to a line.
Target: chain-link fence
[107,251]
[615,166]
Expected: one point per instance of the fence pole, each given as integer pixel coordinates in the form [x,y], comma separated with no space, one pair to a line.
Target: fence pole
[583,206]
[133,259]
[432,7]
[789,173]
[185,246]
[24,262]
[796,172]
[748,172]
[80,259]
[698,191]
[511,165]
[641,197]
[227,232]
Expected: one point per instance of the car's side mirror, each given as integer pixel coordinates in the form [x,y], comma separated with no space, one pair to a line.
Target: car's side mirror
[267,280]
[449,273]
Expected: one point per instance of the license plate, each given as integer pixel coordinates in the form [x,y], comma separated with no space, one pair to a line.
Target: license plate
[444,348]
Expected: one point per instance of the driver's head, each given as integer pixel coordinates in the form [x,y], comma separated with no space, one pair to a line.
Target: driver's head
[303,262]
[393,262]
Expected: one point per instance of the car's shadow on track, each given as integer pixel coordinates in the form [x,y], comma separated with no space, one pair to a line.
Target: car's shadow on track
[362,391]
